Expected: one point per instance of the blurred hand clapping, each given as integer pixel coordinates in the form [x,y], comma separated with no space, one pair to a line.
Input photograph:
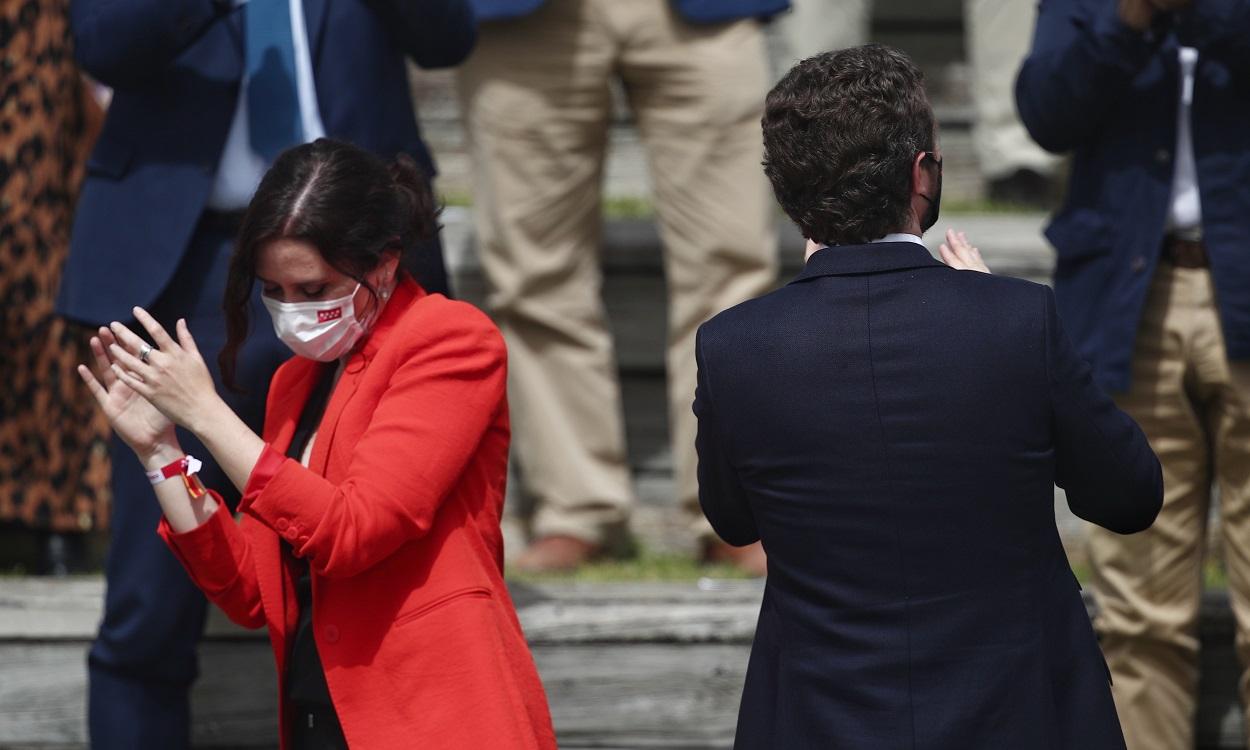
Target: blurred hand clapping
[959,254]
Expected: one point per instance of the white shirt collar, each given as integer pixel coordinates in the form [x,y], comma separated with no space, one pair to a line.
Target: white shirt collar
[813,248]
[901,237]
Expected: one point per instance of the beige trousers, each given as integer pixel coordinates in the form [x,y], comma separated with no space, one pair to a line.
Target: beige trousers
[999,34]
[1194,406]
[535,98]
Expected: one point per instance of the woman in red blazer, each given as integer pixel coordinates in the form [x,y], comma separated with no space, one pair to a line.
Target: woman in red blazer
[369,543]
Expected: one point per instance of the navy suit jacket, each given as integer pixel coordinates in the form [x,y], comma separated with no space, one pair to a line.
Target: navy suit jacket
[176,67]
[892,430]
[1094,87]
[694,11]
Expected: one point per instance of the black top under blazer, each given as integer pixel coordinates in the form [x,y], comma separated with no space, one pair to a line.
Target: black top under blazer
[893,429]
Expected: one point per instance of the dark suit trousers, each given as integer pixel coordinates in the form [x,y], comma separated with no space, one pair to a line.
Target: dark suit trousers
[143,661]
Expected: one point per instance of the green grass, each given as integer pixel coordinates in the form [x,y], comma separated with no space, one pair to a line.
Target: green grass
[955,207]
[628,207]
[653,567]
[455,198]
[647,567]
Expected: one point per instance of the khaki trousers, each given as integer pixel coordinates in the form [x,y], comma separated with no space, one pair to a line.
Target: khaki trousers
[999,33]
[536,101]
[1194,406]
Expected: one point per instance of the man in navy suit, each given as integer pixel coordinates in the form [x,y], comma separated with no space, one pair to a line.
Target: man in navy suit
[1152,97]
[206,93]
[892,429]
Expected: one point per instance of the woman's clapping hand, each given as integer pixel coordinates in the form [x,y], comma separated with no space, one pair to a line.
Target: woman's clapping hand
[139,424]
[172,375]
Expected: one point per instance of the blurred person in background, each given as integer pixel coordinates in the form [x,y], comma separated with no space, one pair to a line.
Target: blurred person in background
[206,94]
[369,543]
[996,37]
[535,98]
[1153,282]
[53,451]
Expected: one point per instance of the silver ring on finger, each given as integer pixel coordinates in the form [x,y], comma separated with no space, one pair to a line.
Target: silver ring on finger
[144,353]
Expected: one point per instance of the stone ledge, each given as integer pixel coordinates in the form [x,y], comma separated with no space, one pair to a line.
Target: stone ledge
[625,665]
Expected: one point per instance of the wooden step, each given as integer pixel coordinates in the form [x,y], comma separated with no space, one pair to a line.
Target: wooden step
[625,666]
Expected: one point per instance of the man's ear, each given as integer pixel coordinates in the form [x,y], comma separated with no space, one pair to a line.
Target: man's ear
[921,178]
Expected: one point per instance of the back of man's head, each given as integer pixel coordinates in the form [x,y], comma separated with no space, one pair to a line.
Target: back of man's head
[841,132]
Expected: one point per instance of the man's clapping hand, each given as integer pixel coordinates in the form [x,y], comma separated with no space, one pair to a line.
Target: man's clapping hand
[958,253]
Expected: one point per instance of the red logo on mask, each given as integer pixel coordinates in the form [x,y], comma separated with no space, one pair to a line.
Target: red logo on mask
[325,316]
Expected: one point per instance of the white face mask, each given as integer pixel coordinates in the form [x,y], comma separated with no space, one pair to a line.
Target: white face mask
[323,330]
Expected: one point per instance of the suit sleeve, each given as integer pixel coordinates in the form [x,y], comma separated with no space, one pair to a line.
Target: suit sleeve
[122,42]
[1102,460]
[721,494]
[218,558]
[434,33]
[1082,63]
[427,426]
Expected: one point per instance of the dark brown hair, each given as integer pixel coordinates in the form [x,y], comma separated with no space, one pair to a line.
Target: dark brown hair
[841,130]
[342,200]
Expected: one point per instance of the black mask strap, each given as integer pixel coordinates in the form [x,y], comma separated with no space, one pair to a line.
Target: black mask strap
[935,203]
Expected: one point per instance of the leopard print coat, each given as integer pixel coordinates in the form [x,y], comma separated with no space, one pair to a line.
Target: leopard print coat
[53,439]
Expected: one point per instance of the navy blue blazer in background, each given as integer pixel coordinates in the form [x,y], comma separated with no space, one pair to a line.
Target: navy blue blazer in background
[694,11]
[1094,87]
[893,429]
[176,66]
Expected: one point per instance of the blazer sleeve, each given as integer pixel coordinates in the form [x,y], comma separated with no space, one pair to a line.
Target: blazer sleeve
[436,408]
[721,494]
[217,556]
[1102,459]
[1081,65]
[434,33]
[122,42]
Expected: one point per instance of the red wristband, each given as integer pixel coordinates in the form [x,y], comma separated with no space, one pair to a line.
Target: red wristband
[186,467]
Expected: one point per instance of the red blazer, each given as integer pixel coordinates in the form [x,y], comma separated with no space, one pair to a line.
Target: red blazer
[398,516]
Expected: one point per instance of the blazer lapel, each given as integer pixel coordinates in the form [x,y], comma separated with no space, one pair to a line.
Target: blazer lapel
[290,392]
[405,295]
[343,392]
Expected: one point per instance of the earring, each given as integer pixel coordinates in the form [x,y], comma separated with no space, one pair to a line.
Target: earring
[385,294]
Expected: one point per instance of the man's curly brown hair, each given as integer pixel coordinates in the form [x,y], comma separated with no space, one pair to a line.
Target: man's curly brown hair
[840,132]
